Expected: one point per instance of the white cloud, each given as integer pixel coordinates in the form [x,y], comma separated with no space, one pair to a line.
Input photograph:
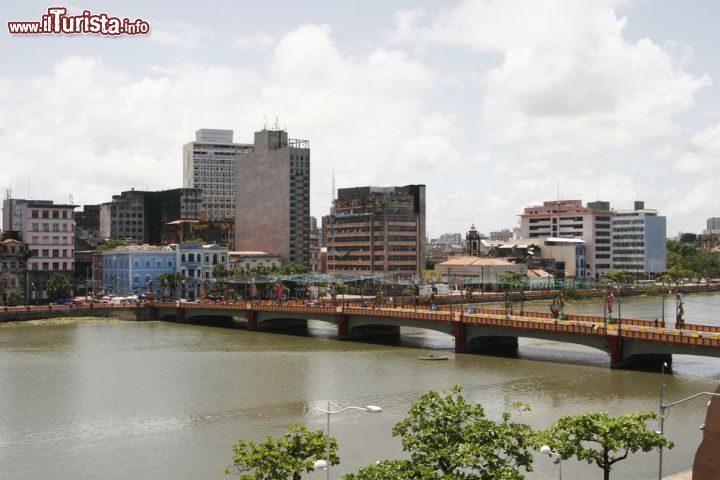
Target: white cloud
[568,83]
[179,33]
[259,40]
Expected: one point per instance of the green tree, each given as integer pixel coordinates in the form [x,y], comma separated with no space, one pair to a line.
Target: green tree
[110,245]
[619,277]
[282,458]
[14,299]
[595,437]
[393,469]
[453,438]
[58,286]
[293,269]
[510,280]
[171,281]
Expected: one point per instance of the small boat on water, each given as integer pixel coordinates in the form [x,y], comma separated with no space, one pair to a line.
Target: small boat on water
[433,357]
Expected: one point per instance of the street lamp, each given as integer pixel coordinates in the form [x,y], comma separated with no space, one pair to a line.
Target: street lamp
[326,463]
[547,450]
[665,408]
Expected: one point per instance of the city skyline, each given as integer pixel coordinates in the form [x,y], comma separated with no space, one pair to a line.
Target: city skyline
[494,106]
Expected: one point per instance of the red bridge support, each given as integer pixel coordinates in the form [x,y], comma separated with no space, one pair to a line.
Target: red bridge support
[460,335]
[341,322]
[616,353]
[251,320]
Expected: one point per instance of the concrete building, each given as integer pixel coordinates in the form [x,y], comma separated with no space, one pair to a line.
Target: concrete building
[139,216]
[48,231]
[378,230]
[570,219]
[87,228]
[713,226]
[638,235]
[209,164]
[639,240]
[273,213]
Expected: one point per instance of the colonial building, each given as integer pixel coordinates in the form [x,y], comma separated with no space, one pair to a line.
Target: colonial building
[13,255]
[134,269]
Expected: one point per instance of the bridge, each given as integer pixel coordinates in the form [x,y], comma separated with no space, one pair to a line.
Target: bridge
[629,343]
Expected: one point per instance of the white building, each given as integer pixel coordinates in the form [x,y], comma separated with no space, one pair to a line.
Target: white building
[209,164]
[570,219]
[639,240]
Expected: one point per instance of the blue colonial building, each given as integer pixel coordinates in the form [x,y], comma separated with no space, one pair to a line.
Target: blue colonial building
[134,269]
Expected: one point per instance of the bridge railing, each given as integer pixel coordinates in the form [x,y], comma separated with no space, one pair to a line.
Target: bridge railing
[699,335]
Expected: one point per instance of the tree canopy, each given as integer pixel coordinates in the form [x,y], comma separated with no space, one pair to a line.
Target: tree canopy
[58,286]
[596,437]
[287,457]
[453,438]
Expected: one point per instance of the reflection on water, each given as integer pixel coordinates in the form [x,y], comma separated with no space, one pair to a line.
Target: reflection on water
[97,398]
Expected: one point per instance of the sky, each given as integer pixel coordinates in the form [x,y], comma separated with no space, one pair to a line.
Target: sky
[494,105]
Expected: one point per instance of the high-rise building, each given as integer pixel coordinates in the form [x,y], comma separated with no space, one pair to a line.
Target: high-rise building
[209,164]
[273,199]
[377,230]
[713,225]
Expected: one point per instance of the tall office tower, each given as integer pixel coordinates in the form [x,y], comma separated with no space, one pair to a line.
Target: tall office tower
[273,198]
[209,164]
[377,230]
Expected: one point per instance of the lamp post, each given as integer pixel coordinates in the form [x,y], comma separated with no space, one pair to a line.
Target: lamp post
[547,450]
[326,463]
[665,408]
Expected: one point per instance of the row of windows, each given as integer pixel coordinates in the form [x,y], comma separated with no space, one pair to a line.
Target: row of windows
[45,227]
[47,253]
[54,265]
[49,214]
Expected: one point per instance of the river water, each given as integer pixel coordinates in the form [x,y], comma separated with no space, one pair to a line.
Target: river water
[106,399]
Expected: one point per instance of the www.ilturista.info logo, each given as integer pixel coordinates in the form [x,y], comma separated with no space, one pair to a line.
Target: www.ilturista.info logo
[58,22]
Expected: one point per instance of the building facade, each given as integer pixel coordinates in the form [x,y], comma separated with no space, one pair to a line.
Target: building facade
[377,230]
[273,200]
[639,240]
[134,269]
[209,164]
[139,216]
[638,235]
[48,231]
[13,256]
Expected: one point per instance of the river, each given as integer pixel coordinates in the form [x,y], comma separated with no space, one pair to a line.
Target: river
[107,399]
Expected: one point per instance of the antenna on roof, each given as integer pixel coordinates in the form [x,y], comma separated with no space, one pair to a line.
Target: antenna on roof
[332,191]
[277,124]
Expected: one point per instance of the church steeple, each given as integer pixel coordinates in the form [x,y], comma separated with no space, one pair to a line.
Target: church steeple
[472,241]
